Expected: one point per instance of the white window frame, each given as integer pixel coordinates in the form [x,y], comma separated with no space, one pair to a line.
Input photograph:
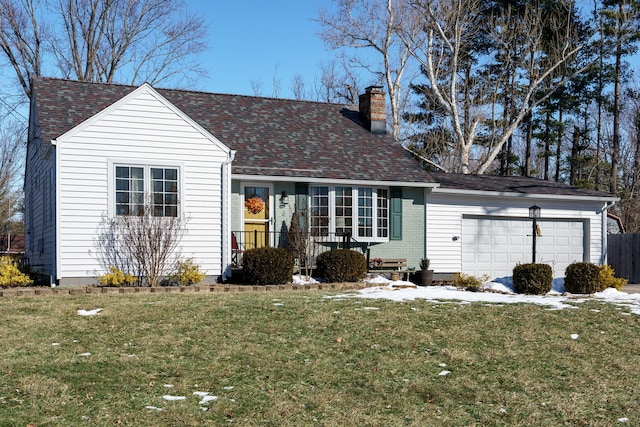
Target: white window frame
[355,215]
[146,166]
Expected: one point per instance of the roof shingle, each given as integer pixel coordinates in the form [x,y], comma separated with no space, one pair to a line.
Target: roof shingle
[273,137]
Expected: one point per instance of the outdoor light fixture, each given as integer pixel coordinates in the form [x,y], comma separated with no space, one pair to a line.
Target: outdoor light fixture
[284,198]
[534,214]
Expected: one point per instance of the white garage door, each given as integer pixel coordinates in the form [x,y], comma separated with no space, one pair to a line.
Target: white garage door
[494,246]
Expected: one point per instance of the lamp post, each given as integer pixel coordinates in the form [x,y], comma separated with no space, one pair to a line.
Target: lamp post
[534,214]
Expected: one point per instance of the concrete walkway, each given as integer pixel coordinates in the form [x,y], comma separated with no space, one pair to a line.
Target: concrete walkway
[632,288]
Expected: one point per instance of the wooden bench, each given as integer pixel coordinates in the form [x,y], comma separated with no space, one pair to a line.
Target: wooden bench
[389,265]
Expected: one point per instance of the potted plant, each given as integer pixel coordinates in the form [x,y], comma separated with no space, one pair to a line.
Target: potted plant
[426,275]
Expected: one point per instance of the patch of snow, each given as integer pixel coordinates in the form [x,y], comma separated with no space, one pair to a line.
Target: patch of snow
[444,373]
[623,420]
[173,398]
[299,279]
[168,386]
[207,399]
[278,304]
[93,312]
[229,387]
[84,354]
[155,408]
[574,336]
[55,344]
[443,365]
[201,393]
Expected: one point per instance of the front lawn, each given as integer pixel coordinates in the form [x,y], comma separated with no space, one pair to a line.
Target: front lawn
[295,358]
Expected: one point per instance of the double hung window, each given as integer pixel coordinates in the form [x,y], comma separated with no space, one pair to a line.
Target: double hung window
[140,187]
[362,212]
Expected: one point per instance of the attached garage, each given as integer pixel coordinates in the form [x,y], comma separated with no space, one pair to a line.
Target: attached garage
[494,245]
[478,224]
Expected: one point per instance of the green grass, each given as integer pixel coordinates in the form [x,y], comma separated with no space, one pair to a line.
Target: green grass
[302,359]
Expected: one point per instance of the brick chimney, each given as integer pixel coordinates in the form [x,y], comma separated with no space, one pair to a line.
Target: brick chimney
[373,109]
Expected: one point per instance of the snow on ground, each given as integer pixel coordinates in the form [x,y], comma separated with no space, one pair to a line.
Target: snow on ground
[89,312]
[497,293]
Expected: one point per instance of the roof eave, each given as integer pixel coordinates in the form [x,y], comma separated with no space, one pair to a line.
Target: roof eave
[452,191]
[279,178]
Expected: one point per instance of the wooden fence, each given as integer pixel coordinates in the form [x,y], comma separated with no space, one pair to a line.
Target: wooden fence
[623,254]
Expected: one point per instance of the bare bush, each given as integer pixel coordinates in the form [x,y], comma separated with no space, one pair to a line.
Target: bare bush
[143,245]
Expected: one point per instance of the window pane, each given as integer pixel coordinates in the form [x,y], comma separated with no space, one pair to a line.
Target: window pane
[344,209]
[165,191]
[365,212]
[122,197]
[122,184]
[122,172]
[129,190]
[171,174]
[383,213]
[171,211]
[319,218]
[156,173]
[137,173]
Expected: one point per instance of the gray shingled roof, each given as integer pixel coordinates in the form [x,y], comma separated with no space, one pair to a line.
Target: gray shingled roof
[511,184]
[280,137]
[273,137]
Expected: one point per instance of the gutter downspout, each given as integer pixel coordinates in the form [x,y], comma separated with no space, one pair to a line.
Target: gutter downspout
[55,278]
[604,252]
[226,215]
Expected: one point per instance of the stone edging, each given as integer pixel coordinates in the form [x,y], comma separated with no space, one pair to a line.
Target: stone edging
[23,292]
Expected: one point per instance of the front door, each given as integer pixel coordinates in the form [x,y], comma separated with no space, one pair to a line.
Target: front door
[257,217]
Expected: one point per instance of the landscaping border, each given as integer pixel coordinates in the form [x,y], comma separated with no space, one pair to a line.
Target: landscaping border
[93,290]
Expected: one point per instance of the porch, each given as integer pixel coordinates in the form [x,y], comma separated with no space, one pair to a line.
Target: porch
[304,246]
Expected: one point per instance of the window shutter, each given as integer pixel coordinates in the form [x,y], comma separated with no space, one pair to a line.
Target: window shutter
[395,220]
[302,197]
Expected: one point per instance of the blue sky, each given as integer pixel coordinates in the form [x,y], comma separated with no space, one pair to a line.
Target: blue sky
[259,40]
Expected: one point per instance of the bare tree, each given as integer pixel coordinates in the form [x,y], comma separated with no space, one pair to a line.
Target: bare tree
[373,24]
[101,40]
[143,245]
[297,87]
[470,95]
[337,83]
[12,139]
[21,39]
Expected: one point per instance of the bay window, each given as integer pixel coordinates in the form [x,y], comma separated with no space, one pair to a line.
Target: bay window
[362,212]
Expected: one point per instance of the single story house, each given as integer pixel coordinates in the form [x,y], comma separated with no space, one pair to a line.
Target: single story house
[239,167]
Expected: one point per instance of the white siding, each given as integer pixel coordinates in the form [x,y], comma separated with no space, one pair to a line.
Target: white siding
[39,191]
[139,130]
[445,218]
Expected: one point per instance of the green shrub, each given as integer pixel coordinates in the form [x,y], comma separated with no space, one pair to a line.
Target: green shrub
[608,279]
[582,278]
[115,277]
[341,265]
[10,274]
[187,273]
[267,266]
[469,282]
[535,279]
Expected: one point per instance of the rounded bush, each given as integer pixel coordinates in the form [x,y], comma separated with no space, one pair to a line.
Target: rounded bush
[582,278]
[341,265]
[534,279]
[267,266]
[10,274]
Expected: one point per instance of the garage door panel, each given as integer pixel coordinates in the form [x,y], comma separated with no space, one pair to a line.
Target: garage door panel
[494,246]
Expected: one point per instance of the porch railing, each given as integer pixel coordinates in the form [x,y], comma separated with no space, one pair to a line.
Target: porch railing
[304,246]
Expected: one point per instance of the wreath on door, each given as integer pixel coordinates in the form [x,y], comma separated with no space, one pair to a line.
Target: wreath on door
[254,205]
